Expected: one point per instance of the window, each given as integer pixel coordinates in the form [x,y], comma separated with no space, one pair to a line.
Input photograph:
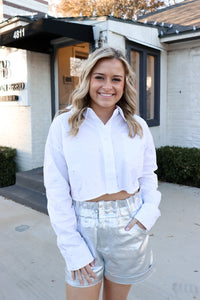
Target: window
[69,61]
[146,65]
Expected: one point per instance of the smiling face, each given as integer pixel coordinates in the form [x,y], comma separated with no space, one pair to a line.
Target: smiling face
[106,84]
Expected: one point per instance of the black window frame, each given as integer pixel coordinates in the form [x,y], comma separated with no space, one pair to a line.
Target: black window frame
[144,51]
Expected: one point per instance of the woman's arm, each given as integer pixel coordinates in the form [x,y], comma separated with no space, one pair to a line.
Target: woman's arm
[61,212]
[149,212]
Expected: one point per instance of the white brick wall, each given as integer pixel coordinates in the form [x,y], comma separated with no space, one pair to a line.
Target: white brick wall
[15,132]
[183,119]
[25,127]
[15,117]
[40,101]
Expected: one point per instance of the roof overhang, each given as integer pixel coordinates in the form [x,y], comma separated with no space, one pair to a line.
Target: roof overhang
[38,34]
[180,37]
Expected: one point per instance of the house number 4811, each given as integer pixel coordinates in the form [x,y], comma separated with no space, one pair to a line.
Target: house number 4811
[19,33]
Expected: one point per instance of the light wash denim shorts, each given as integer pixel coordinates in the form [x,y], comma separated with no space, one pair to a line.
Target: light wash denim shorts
[123,257]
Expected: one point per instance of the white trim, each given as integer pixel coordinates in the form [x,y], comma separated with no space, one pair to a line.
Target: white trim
[5,27]
[30,4]
[164,47]
[184,45]
[180,36]
[136,32]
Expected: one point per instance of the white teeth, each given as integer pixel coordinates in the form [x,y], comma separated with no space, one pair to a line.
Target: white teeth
[106,95]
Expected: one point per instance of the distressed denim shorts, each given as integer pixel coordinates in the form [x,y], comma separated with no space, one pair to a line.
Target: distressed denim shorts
[123,257]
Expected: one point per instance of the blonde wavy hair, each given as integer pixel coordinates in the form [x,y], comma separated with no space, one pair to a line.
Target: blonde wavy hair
[80,98]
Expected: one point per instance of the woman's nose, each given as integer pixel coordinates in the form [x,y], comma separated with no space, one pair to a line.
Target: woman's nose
[108,84]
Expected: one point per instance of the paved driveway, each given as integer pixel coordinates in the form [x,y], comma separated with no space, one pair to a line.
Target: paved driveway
[31,268]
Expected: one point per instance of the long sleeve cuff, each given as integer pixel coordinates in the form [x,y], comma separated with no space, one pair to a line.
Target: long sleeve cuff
[148,215]
[76,257]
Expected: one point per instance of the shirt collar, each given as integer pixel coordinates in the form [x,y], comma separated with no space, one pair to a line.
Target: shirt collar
[89,112]
[120,111]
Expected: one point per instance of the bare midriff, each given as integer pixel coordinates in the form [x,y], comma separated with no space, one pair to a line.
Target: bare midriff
[112,197]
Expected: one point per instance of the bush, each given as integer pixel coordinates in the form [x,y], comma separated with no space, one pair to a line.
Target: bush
[179,165]
[7,166]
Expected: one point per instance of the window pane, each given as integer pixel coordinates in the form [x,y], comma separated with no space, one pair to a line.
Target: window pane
[135,64]
[69,60]
[150,87]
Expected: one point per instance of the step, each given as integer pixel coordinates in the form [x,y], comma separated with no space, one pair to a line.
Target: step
[32,179]
[25,196]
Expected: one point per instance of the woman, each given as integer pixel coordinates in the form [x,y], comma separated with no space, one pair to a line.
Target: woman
[100,182]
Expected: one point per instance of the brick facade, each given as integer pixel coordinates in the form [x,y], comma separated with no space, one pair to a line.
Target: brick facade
[183,102]
[24,124]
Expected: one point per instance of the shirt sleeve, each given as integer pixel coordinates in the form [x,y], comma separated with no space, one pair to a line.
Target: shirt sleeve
[61,212]
[149,212]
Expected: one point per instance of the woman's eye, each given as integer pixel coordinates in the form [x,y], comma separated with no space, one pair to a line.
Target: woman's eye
[116,79]
[98,77]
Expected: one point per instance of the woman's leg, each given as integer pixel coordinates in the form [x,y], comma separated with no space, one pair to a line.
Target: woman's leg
[85,293]
[115,291]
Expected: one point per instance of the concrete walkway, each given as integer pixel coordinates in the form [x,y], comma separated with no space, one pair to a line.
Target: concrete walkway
[31,267]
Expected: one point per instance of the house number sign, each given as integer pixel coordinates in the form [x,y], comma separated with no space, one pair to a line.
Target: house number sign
[19,33]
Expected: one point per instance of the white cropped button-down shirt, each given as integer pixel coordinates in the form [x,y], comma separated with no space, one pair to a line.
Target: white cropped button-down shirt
[101,159]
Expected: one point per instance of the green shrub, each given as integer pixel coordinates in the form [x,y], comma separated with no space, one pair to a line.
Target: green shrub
[7,166]
[179,165]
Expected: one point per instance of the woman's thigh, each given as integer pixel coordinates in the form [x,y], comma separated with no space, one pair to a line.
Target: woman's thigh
[115,291]
[84,293]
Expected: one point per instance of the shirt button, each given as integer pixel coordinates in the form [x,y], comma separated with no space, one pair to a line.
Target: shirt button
[96,211]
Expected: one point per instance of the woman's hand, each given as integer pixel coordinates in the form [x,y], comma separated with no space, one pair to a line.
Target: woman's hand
[132,223]
[86,272]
